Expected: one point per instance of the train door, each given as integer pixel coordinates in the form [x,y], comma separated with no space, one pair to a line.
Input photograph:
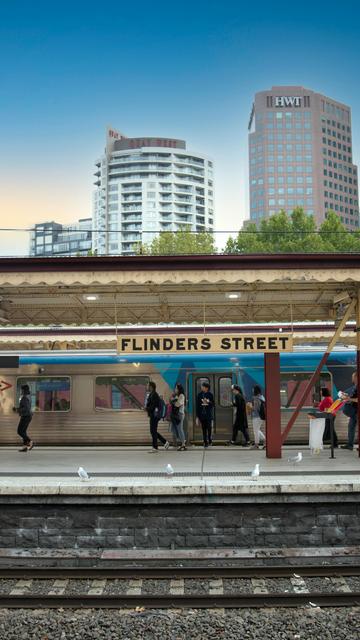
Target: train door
[220,386]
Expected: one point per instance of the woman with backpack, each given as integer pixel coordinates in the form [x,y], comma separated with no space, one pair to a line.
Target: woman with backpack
[258,415]
[241,421]
[177,416]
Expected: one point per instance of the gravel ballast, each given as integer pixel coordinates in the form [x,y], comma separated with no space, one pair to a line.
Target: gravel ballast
[272,624]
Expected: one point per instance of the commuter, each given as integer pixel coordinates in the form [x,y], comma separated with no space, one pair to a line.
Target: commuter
[204,412]
[324,406]
[350,410]
[241,421]
[25,414]
[153,408]
[258,416]
[177,416]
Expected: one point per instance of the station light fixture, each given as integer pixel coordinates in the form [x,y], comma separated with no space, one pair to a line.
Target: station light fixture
[233,295]
[91,297]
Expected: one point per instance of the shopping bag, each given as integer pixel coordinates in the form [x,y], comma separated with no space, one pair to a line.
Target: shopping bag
[316,432]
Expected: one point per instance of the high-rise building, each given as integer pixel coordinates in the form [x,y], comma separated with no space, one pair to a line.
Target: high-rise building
[148,185]
[54,239]
[300,155]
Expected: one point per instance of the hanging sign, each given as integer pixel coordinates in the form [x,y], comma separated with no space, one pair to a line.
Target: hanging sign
[205,343]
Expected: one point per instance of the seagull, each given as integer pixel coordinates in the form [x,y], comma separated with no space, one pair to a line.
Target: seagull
[296,459]
[169,470]
[255,472]
[83,474]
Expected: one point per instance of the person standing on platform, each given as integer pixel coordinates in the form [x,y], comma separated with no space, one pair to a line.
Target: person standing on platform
[25,414]
[177,416]
[153,408]
[241,421]
[325,404]
[258,415]
[350,410]
[205,412]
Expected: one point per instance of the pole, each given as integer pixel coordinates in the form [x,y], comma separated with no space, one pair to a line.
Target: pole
[317,372]
[272,404]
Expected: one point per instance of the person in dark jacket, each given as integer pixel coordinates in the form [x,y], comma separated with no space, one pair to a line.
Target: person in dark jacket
[25,413]
[153,409]
[241,421]
[205,412]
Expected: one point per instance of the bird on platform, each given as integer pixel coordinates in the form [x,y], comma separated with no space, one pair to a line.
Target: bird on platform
[83,474]
[296,459]
[255,472]
[169,470]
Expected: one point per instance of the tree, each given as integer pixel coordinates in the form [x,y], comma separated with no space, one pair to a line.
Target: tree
[180,242]
[294,233]
[335,237]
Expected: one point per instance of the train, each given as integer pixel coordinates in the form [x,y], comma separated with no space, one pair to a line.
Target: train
[97,398]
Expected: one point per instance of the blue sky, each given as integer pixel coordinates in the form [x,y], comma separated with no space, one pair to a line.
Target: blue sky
[186,70]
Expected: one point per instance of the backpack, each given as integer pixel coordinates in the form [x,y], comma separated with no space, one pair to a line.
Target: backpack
[262,412]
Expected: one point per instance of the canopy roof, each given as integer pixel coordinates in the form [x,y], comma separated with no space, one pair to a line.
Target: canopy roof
[181,289]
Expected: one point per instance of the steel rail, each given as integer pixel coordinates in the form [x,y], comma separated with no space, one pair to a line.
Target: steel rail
[205,601]
[172,571]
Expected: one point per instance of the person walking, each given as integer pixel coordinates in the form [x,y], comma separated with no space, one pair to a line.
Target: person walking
[25,414]
[177,416]
[205,412]
[350,410]
[153,409]
[258,416]
[241,421]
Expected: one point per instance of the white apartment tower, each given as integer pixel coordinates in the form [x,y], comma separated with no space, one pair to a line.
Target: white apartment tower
[145,186]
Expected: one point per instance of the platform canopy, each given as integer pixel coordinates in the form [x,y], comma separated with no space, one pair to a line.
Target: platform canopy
[176,289]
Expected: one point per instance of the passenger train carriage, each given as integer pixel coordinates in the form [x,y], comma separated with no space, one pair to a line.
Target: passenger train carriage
[98,398]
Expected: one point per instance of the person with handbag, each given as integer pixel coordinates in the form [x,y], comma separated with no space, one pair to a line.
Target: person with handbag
[177,416]
[350,410]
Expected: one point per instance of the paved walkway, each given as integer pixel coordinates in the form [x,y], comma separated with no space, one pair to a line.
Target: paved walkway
[134,470]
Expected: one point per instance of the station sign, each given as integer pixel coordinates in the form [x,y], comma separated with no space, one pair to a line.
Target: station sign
[205,343]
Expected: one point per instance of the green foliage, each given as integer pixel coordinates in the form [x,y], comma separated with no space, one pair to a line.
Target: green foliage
[168,243]
[295,233]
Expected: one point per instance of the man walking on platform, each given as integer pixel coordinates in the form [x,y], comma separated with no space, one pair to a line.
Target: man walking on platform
[153,408]
[205,412]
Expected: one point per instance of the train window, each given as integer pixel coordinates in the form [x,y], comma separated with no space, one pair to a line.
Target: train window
[225,393]
[120,393]
[47,393]
[292,387]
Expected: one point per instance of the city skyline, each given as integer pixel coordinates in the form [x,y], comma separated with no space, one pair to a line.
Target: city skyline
[68,72]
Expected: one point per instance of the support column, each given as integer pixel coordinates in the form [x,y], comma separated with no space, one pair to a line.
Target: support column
[272,403]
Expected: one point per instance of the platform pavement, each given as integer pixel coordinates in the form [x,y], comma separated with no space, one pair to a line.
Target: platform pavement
[124,470]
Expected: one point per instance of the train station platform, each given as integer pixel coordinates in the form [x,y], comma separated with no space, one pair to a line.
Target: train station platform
[131,510]
[133,470]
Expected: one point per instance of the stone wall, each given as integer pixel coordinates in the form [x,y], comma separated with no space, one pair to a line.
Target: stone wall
[212,522]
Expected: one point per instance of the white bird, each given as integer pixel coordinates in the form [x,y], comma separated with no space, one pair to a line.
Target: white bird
[296,459]
[83,474]
[255,472]
[169,470]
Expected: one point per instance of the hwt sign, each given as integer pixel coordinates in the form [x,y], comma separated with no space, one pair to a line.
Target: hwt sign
[287,101]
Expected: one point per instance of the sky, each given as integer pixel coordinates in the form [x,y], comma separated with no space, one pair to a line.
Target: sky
[181,70]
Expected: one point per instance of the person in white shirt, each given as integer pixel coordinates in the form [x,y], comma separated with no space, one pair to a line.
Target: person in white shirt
[258,413]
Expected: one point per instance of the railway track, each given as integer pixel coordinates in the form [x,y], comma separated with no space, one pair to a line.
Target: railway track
[180,587]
